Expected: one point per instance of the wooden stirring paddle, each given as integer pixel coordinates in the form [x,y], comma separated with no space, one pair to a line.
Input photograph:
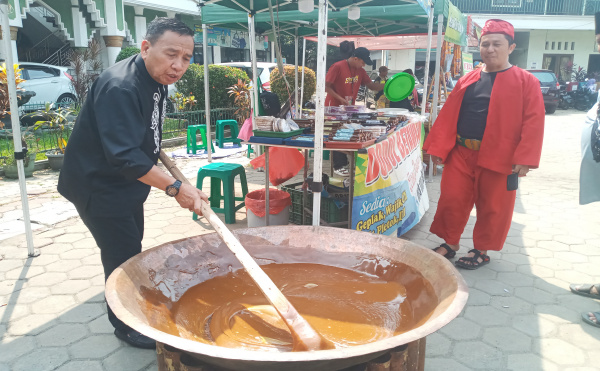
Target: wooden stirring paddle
[304,336]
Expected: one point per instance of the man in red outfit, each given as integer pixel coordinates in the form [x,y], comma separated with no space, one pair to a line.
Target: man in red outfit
[491,126]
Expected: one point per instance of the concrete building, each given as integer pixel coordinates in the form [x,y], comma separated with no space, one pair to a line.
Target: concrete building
[550,34]
[45,31]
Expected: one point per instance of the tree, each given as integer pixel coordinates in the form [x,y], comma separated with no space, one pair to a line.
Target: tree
[278,86]
[221,78]
[127,52]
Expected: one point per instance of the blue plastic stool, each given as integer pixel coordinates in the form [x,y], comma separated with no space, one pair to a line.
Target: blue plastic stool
[233,128]
[223,173]
[192,145]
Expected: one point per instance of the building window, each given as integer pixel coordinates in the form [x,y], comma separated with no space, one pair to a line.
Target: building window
[559,44]
[553,44]
[573,45]
[507,3]
[547,45]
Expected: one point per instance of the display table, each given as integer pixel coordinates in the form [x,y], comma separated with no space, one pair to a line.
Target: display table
[387,193]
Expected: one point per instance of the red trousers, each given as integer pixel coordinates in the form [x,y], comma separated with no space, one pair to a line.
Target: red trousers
[465,184]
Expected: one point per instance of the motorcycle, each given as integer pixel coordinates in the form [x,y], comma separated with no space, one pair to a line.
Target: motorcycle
[565,99]
[584,99]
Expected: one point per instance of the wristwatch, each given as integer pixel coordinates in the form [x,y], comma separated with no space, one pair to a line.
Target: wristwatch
[173,189]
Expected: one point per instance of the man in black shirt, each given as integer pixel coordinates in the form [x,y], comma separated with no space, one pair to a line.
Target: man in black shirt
[110,160]
[474,109]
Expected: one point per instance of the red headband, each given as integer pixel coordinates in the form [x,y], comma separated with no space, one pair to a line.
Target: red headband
[498,26]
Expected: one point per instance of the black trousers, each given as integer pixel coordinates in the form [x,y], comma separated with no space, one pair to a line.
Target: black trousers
[119,238]
[340,159]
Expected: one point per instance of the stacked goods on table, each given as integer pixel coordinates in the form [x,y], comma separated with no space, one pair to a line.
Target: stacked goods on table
[264,123]
[351,133]
[304,140]
[345,127]
[306,123]
[376,130]
[331,126]
[362,128]
[350,110]
[271,130]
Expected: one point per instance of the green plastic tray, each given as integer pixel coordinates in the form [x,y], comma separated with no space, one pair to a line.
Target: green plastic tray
[399,86]
[277,134]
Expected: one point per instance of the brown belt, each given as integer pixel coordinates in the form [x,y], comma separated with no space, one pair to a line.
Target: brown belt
[473,144]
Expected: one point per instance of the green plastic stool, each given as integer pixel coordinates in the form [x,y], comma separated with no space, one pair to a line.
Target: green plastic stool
[224,173]
[192,145]
[233,128]
[250,150]
[325,154]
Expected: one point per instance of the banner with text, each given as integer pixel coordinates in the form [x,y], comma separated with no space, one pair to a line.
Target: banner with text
[467,59]
[229,39]
[456,28]
[389,188]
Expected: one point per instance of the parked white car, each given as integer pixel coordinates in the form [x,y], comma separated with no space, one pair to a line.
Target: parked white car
[50,83]
[263,68]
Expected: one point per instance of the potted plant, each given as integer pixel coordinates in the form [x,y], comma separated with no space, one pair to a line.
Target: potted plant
[10,164]
[55,122]
[22,96]
[27,138]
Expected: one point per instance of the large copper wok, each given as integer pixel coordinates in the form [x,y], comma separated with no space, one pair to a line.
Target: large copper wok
[167,271]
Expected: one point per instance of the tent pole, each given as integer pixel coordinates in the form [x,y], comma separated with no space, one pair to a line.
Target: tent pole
[252,37]
[296,74]
[12,93]
[320,111]
[426,80]
[255,89]
[436,81]
[427,61]
[206,90]
[252,33]
[302,84]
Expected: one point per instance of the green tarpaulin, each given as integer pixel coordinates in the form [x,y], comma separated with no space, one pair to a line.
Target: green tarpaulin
[377,17]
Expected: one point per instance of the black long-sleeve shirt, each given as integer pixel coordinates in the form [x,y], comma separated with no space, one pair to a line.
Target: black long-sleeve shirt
[115,141]
[472,118]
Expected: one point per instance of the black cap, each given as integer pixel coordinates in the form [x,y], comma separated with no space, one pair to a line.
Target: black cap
[364,54]
[597,23]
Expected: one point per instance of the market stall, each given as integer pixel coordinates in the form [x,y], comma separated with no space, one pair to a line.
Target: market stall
[385,191]
[376,17]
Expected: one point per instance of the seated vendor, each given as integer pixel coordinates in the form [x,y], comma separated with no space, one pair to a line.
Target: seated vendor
[381,79]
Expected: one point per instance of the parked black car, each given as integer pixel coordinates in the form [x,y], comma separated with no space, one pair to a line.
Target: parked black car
[550,88]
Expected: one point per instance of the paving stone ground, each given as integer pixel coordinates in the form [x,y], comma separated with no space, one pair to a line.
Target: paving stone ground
[520,314]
